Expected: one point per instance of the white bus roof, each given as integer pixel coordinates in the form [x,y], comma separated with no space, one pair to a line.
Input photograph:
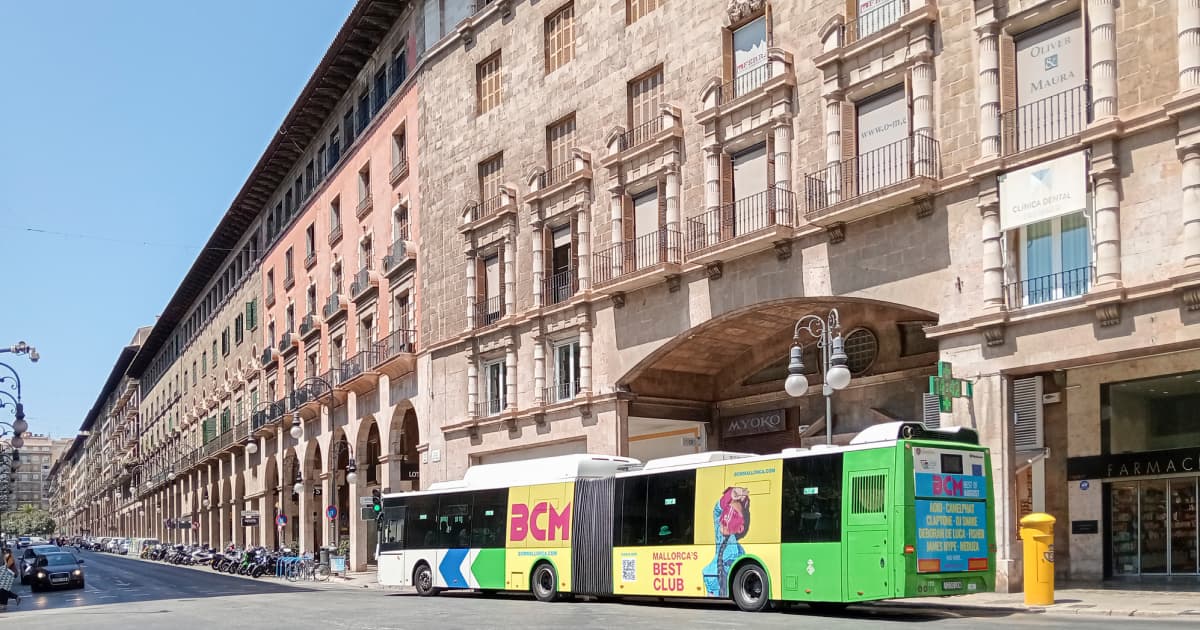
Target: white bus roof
[541,470]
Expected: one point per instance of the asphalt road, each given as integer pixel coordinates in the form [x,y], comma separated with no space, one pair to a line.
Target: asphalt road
[122,593]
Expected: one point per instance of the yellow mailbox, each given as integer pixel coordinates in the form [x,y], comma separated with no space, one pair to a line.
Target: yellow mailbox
[1037,530]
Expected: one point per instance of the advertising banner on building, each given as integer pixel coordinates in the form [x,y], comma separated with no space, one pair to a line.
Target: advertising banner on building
[884,150]
[1043,191]
[1050,61]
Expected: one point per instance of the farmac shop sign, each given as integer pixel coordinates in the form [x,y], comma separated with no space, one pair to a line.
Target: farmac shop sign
[1150,463]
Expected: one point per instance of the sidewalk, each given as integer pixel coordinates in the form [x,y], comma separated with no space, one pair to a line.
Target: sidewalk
[1110,602]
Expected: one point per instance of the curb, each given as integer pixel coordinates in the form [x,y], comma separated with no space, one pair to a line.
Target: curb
[1062,610]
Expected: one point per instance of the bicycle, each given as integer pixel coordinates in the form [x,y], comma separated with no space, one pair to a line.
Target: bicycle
[307,569]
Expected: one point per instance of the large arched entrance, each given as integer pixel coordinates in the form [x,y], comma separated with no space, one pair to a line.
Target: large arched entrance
[719,385]
[315,512]
[271,507]
[403,462]
[339,455]
[290,500]
[367,452]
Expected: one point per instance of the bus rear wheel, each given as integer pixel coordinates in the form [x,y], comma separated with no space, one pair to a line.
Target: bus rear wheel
[423,580]
[544,582]
[750,590]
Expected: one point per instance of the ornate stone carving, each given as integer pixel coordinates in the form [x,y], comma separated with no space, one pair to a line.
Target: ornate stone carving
[1191,298]
[783,249]
[1109,314]
[618,299]
[715,270]
[924,207]
[994,335]
[739,10]
[673,282]
[836,233]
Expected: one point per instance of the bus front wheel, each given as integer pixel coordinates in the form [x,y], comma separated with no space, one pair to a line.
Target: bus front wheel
[544,582]
[750,590]
[423,580]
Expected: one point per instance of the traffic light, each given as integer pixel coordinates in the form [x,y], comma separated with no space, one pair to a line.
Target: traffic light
[376,502]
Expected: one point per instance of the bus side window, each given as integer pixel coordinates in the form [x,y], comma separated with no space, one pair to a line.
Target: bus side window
[488,520]
[421,522]
[670,508]
[454,520]
[391,529]
[630,503]
[812,499]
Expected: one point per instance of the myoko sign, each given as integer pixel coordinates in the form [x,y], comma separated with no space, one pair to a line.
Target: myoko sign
[541,521]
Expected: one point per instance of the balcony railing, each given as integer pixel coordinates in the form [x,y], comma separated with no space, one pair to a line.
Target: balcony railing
[774,206]
[398,253]
[559,287]
[308,324]
[1048,288]
[289,280]
[488,311]
[556,174]
[745,82]
[333,305]
[364,206]
[632,256]
[270,296]
[358,364]
[402,341]
[486,208]
[399,171]
[268,357]
[335,233]
[490,407]
[310,259]
[897,163]
[641,134]
[559,392]
[1047,120]
[878,18]
[286,342]
[362,282]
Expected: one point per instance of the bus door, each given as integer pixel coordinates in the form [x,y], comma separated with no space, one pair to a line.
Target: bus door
[867,533]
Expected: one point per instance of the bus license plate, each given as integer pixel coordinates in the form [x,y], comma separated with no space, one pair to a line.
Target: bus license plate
[952,586]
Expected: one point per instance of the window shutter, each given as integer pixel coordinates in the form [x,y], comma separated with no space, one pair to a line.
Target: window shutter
[500,277]
[767,15]
[1027,413]
[726,57]
[628,231]
[849,135]
[725,215]
[574,253]
[547,251]
[480,280]
[851,19]
[1008,90]
[931,411]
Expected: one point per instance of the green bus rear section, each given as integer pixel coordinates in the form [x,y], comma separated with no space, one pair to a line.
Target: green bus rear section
[851,570]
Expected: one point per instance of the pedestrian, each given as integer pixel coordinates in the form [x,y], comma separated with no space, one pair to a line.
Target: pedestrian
[7,576]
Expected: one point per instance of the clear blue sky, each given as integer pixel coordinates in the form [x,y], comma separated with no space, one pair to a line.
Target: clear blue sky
[126,127]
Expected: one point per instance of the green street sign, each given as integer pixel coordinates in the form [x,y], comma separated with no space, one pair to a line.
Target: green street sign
[947,388]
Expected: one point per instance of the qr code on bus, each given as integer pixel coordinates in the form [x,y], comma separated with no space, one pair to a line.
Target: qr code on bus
[628,569]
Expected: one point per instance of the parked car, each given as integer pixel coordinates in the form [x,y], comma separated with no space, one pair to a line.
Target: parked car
[24,541]
[54,569]
[27,558]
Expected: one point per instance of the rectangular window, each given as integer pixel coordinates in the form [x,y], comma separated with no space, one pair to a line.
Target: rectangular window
[399,68]
[488,519]
[204,363]
[1055,259]
[311,300]
[310,241]
[252,314]
[348,126]
[289,318]
[494,392]
[488,83]
[364,183]
[225,342]
[882,140]
[399,147]
[750,68]
[629,508]
[1150,414]
[380,90]
[310,178]
[421,523]
[364,110]
[335,215]
[872,16]
[645,100]
[289,272]
[1051,96]
[288,203]
[566,370]
[812,499]
[670,508]
[454,520]
[490,177]
[322,162]
[335,150]
[560,139]
[391,528]
[561,285]
[239,329]
[560,37]
[635,9]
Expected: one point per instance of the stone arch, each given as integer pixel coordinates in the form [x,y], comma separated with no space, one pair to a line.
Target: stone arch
[368,448]
[401,449]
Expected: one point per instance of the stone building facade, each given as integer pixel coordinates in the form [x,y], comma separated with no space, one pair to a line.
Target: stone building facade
[626,208]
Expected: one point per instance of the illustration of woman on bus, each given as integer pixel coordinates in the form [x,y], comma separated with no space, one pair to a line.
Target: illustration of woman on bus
[731,521]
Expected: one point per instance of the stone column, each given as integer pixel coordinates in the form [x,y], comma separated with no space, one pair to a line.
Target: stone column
[510,375]
[993,251]
[672,242]
[538,236]
[616,205]
[784,202]
[989,90]
[328,497]
[583,240]
[1103,46]
[304,513]
[585,357]
[924,153]
[471,292]
[358,527]
[1188,20]
[539,369]
[712,193]
[833,147]
[1108,222]
[1190,178]
[510,277]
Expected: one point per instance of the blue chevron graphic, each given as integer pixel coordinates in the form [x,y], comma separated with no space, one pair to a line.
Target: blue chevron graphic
[451,568]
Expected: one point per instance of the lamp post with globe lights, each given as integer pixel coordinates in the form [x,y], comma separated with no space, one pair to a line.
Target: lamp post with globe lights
[828,335]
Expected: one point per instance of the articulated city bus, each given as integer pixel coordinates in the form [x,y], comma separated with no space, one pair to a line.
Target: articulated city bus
[902,511]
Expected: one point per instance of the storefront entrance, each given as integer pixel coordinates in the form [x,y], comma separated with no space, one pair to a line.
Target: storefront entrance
[1153,525]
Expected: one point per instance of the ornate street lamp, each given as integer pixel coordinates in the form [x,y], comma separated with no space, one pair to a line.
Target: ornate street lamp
[828,335]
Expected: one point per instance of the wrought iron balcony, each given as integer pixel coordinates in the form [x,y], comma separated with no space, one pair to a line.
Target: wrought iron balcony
[335,234]
[403,341]
[334,305]
[559,287]
[287,342]
[637,256]
[358,364]
[557,174]
[1047,120]
[560,392]
[399,171]
[874,181]
[363,281]
[490,407]
[741,219]
[268,357]
[489,311]
[876,19]
[364,206]
[309,324]
[744,83]
[399,253]
[1049,288]
[641,134]
[480,210]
